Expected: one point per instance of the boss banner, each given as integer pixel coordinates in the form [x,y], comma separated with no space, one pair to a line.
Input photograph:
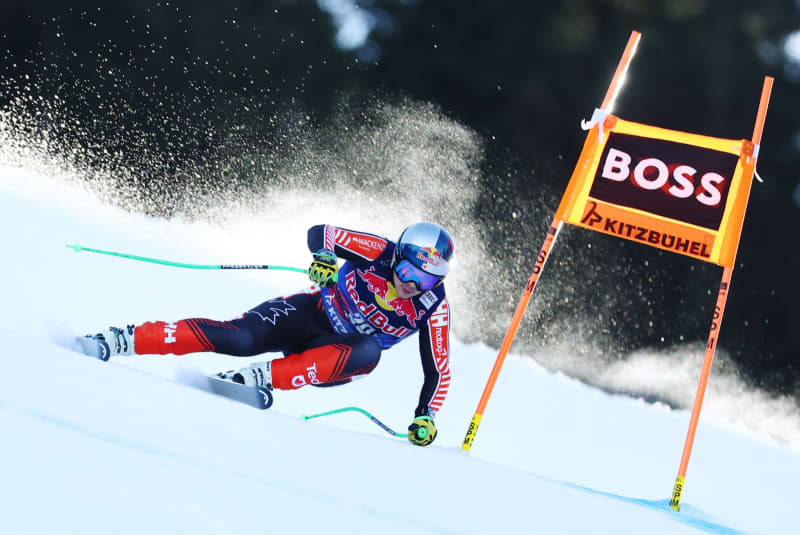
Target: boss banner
[680,192]
[676,191]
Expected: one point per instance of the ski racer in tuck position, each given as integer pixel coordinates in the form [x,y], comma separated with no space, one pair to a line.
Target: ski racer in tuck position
[334,331]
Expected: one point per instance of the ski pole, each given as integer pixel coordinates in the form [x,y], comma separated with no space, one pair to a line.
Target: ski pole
[78,248]
[362,411]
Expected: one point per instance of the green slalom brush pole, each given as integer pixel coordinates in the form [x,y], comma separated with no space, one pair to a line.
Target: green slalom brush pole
[78,248]
[362,411]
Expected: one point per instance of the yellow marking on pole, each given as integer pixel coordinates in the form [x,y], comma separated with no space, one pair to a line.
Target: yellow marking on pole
[675,503]
[473,428]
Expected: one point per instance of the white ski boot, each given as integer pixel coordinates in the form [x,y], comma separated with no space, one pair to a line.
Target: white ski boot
[257,374]
[113,342]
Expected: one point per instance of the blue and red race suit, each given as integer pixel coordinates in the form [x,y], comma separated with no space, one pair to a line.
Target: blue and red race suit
[330,336]
[365,301]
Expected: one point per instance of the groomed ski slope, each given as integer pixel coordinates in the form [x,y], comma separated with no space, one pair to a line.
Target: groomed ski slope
[131,446]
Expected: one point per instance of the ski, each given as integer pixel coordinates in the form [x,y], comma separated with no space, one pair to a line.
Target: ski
[255,396]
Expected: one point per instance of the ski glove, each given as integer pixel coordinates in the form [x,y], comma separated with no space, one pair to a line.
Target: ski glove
[422,431]
[324,270]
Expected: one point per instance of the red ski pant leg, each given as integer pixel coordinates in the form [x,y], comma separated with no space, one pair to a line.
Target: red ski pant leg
[285,324]
[334,363]
[178,338]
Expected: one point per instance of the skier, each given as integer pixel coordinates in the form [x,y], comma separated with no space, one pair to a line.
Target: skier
[334,331]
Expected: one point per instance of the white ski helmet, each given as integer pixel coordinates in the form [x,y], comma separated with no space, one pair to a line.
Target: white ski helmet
[427,247]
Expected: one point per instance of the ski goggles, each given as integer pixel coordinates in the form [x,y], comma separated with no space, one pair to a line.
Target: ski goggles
[408,272]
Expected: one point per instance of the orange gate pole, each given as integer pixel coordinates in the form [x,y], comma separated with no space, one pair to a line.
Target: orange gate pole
[619,74]
[552,234]
[555,228]
[713,335]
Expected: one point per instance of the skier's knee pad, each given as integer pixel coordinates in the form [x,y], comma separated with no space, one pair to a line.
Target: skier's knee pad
[365,355]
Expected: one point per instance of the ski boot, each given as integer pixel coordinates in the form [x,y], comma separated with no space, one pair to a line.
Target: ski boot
[257,374]
[113,342]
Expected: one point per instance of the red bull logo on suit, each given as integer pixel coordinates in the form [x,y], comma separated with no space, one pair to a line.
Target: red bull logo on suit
[384,293]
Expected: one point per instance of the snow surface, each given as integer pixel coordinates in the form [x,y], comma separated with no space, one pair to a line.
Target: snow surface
[130,446]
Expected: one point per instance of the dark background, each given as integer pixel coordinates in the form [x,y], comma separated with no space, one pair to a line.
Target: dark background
[170,88]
